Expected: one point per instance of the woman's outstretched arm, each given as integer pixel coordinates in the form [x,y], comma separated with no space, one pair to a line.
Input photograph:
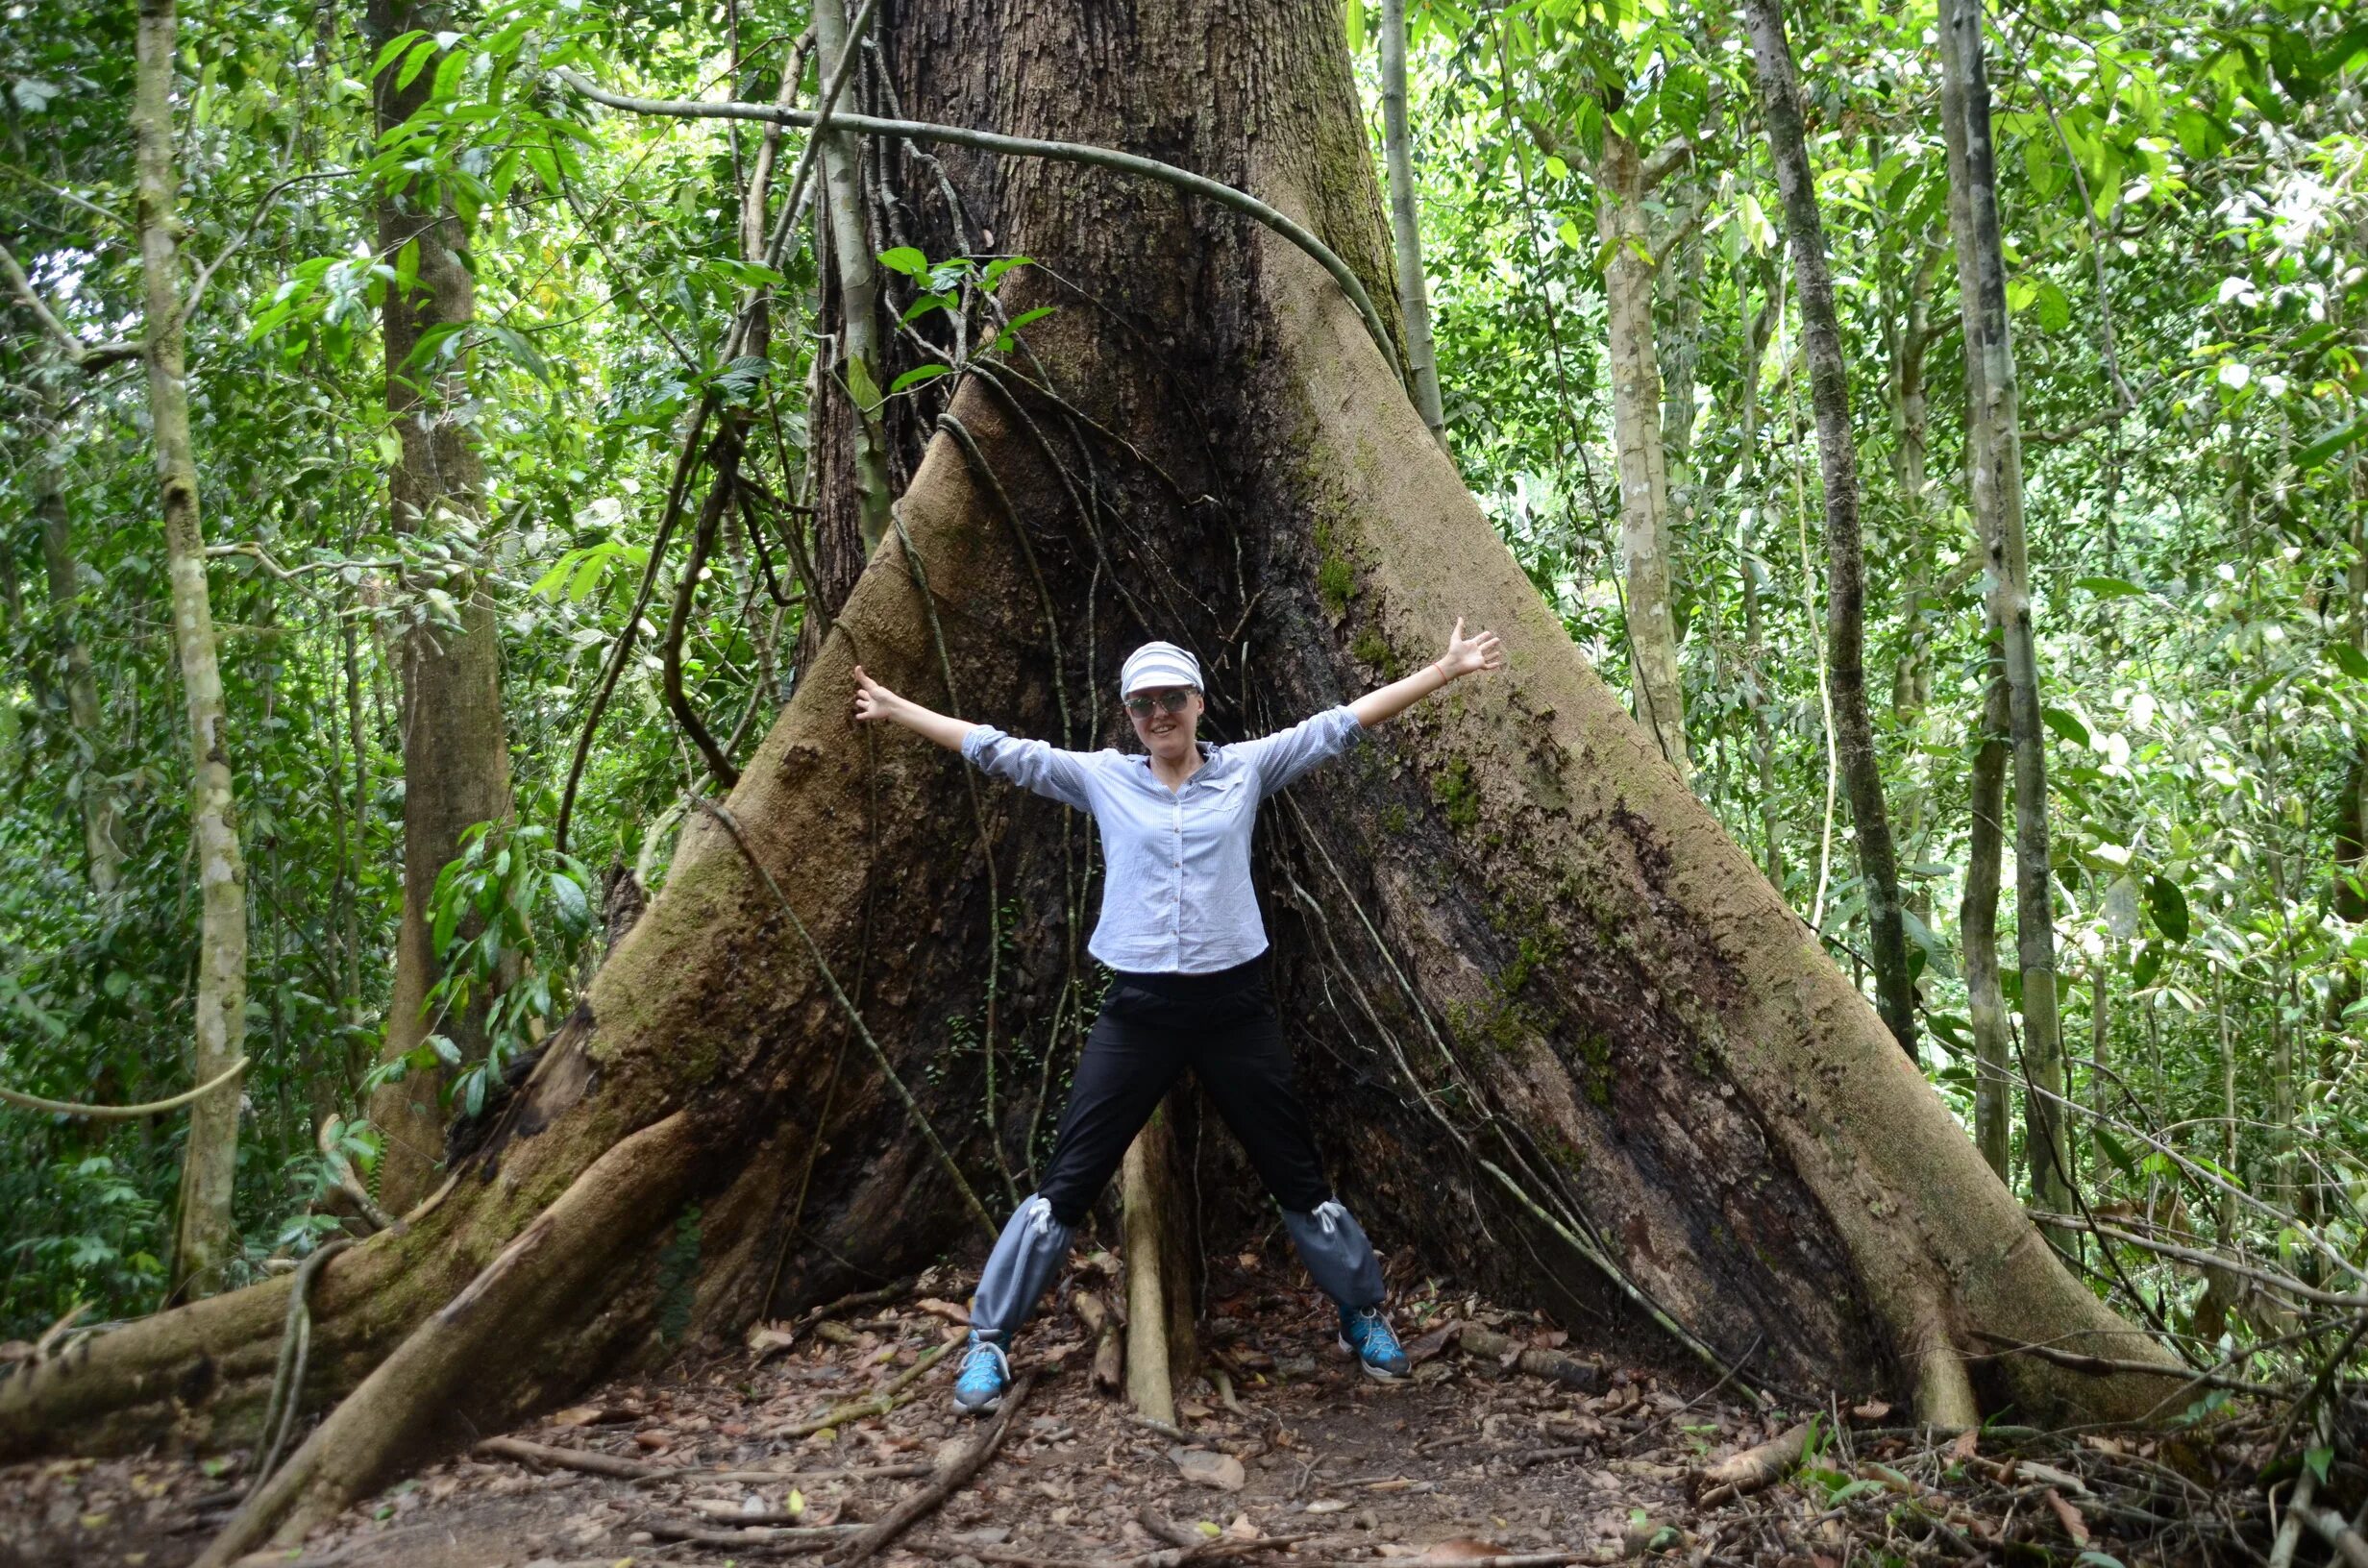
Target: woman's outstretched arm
[1032,765]
[874,701]
[1464,656]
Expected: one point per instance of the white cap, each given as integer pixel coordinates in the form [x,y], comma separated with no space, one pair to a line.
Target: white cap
[1156,665]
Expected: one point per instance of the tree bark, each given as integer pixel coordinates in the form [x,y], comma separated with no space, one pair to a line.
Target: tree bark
[861,372]
[456,747]
[1574,1048]
[1414,300]
[1646,562]
[203,1234]
[1994,440]
[1756,333]
[96,793]
[1977,919]
[1845,603]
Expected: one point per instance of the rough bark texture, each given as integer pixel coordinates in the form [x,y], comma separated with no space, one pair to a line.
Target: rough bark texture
[96,793]
[1845,601]
[456,751]
[202,1237]
[1995,448]
[1414,299]
[1572,1046]
[1623,225]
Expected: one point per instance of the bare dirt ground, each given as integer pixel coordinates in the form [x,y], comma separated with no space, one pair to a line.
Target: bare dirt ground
[1509,1445]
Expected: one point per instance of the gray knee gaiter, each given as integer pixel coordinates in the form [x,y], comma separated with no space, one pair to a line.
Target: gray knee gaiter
[1339,1259]
[1027,1256]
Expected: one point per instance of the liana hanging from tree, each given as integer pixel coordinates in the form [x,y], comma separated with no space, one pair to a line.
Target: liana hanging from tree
[1181,934]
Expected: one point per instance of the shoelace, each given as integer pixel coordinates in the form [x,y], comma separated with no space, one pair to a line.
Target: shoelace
[1371,1331]
[973,1365]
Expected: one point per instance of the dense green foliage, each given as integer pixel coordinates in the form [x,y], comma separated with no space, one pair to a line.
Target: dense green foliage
[2188,235]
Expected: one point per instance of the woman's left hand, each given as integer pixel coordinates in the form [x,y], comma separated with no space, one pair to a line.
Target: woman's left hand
[1470,655]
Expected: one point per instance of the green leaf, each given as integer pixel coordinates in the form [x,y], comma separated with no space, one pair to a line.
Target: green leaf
[2320,1460]
[2170,906]
[2055,310]
[406,265]
[572,905]
[395,46]
[1355,21]
[916,376]
[1025,316]
[928,302]
[905,260]
[2110,587]
[2350,659]
[2316,455]
[447,77]
[2149,964]
[860,387]
[2064,723]
[1001,265]
[2198,135]
[415,63]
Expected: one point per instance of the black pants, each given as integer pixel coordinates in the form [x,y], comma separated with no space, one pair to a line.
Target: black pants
[1224,1028]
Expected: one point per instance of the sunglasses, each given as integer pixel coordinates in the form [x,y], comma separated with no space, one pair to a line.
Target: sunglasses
[1175,700]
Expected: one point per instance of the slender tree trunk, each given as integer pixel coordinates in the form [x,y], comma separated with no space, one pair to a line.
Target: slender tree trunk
[204,1236]
[1985,1006]
[1690,1119]
[1756,334]
[1829,391]
[1996,444]
[861,372]
[96,793]
[1414,300]
[1646,554]
[455,748]
[1160,1270]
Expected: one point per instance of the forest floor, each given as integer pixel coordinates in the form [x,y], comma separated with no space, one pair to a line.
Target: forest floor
[1505,1447]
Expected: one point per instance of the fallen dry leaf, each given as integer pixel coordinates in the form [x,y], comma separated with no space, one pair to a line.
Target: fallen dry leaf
[1462,1549]
[1874,1410]
[1203,1468]
[1968,1442]
[2069,1516]
[951,1312]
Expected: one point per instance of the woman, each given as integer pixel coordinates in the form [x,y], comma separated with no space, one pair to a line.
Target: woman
[1180,928]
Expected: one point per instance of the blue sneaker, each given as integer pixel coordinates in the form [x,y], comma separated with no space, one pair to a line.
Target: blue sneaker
[1365,1336]
[986,1372]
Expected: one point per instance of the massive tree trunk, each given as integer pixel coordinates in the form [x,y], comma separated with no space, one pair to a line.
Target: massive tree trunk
[1845,615]
[1995,447]
[455,752]
[202,1234]
[1576,1050]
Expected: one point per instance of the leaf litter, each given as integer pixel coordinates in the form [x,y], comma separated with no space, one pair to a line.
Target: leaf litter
[1509,1446]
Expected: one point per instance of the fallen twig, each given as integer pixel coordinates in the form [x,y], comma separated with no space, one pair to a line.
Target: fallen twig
[879,1404]
[955,1475]
[580,1460]
[1552,1364]
[1754,1468]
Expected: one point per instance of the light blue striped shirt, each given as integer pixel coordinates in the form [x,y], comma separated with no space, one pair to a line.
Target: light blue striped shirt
[1177,896]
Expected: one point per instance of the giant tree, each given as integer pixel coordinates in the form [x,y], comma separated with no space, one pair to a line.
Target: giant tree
[1580,1050]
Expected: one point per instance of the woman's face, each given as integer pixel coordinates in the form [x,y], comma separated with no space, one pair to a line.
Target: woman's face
[1167,732]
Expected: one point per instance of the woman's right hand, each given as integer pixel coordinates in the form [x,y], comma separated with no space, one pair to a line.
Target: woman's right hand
[873,701]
